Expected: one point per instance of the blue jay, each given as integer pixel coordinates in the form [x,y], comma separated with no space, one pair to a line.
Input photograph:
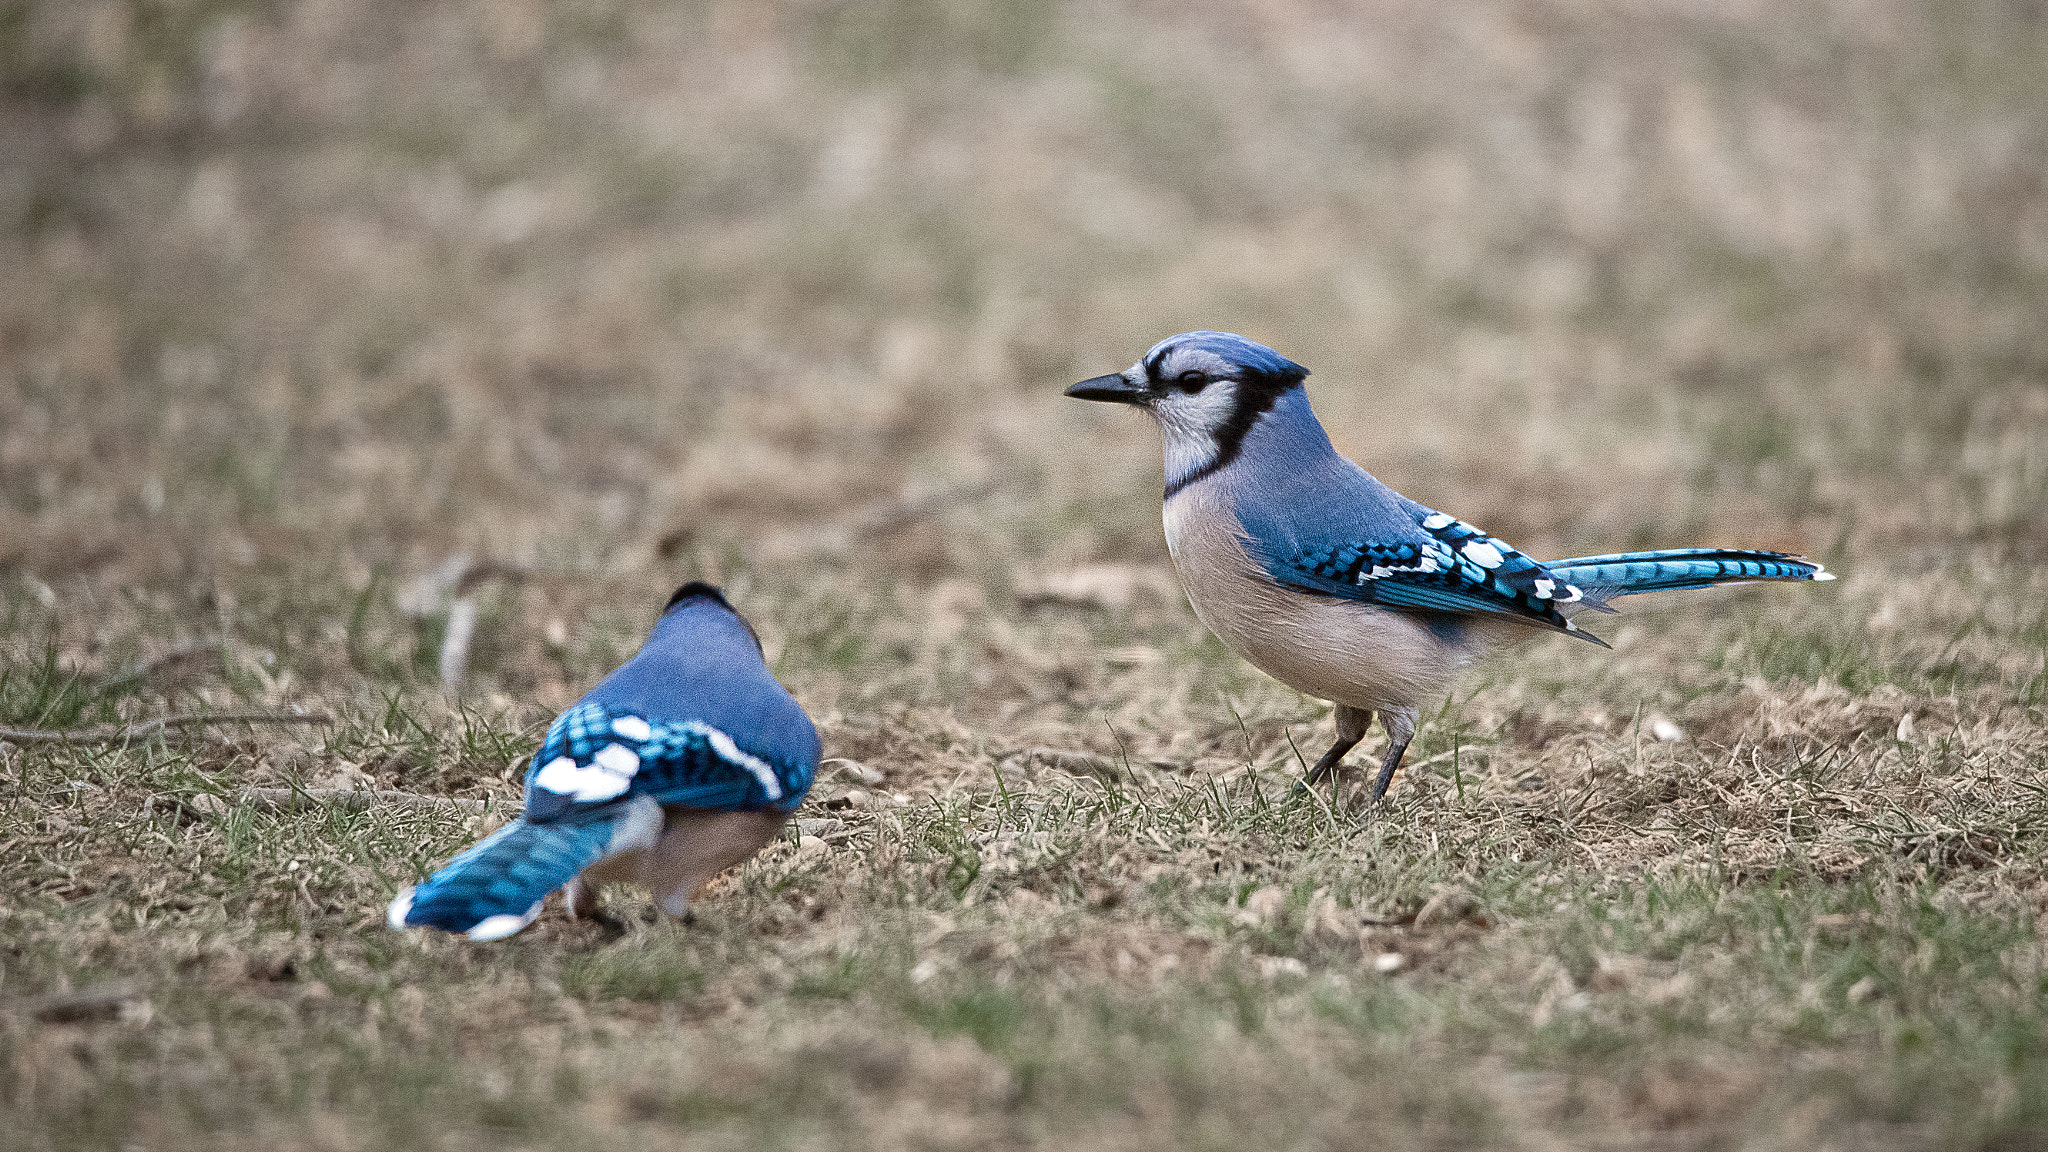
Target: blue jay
[1330,581]
[677,766]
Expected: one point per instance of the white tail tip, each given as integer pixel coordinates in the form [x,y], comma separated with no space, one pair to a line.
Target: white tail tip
[401,907]
[503,924]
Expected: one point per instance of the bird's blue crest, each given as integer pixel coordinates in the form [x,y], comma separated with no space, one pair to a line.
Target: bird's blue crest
[1233,349]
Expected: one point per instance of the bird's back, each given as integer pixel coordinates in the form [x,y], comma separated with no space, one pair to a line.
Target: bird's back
[1290,489]
[701,664]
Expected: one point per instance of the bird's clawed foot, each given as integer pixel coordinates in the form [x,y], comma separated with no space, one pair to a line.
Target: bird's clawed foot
[676,903]
[1351,725]
[1400,726]
[579,899]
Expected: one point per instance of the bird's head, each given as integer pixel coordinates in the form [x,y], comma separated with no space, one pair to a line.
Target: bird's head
[697,596]
[1206,389]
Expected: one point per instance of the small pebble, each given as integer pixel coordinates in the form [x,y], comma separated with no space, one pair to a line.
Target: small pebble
[1274,967]
[856,771]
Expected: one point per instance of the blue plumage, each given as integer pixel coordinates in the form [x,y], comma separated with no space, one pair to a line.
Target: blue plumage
[1227,349]
[1627,573]
[1332,582]
[692,726]
[1445,566]
[495,886]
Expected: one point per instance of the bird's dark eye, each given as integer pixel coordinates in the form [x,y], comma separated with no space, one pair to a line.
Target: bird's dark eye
[1191,380]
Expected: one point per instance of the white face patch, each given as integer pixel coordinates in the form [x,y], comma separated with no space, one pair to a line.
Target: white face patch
[1190,423]
[1201,413]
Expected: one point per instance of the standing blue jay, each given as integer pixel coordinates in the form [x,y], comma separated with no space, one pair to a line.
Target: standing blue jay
[677,766]
[1330,581]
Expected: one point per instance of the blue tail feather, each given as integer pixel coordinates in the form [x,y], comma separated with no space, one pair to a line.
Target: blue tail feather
[1628,573]
[505,875]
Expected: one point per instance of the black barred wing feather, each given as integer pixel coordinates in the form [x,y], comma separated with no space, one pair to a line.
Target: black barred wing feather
[594,756]
[1446,566]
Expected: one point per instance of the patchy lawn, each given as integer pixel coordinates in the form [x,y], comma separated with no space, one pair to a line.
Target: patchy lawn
[326,326]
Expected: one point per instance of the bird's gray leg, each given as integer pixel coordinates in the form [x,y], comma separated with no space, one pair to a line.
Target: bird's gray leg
[1351,726]
[580,897]
[1400,726]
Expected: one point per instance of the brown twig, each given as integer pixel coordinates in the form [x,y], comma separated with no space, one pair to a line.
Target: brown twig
[354,800]
[127,733]
[99,1002]
[276,801]
[458,579]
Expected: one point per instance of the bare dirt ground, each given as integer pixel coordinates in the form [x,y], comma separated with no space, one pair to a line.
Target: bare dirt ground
[303,302]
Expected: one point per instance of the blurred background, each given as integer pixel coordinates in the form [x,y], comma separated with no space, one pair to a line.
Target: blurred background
[649,290]
[332,329]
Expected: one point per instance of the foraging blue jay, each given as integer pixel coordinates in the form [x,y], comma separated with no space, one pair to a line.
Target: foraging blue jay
[1330,581]
[677,766]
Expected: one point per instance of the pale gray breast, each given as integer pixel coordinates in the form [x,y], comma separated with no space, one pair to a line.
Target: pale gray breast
[1337,650]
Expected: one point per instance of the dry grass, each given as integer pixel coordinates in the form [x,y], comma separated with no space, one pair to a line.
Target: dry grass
[306,298]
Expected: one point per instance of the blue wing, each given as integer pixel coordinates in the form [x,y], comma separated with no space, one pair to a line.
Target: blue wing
[597,757]
[1436,563]
[596,787]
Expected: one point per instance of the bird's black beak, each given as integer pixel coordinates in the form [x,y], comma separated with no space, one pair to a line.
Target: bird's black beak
[1115,388]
